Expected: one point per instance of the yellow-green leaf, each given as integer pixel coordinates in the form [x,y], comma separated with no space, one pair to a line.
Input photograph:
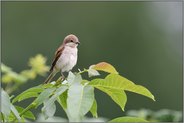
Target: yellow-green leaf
[62,100]
[93,109]
[129,85]
[118,96]
[114,81]
[27,114]
[28,95]
[36,89]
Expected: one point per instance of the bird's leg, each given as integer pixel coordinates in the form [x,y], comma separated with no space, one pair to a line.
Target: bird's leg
[62,76]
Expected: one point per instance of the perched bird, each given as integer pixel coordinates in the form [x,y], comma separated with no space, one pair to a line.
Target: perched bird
[65,57]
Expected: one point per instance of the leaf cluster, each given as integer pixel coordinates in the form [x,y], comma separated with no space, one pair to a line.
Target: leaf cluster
[75,95]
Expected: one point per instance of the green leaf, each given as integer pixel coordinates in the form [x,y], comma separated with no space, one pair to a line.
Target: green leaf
[24,94]
[12,117]
[128,119]
[27,114]
[115,81]
[70,77]
[141,90]
[28,95]
[106,67]
[22,119]
[118,96]
[93,109]
[74,78]
[5,104]
[58,92]
[49,110]
[49,104]
[130,86]
[15,112]
[62,100]
[79,101]
[44,95]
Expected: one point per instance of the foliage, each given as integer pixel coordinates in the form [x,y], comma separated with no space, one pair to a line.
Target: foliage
[75,95]
[14,80]
[163,115]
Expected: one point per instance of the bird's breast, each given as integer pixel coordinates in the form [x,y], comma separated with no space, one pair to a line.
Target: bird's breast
[67,60]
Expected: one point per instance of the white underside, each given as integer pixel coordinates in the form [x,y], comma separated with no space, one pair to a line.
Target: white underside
[67,60]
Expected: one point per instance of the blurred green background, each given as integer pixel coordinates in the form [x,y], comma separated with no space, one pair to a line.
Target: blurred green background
[143,40]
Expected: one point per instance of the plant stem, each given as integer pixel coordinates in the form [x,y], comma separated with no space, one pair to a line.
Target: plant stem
[85,70]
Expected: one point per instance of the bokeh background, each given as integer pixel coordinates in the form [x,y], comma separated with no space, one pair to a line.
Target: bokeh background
[143,40]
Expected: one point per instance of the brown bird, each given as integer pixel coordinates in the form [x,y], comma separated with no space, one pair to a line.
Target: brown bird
[65,57]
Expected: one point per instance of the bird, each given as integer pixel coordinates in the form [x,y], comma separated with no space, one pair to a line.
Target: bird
[65,57]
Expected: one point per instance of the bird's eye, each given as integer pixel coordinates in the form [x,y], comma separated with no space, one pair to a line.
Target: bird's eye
[71,40]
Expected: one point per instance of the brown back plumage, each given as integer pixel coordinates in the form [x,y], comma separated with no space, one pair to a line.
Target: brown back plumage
[57,55]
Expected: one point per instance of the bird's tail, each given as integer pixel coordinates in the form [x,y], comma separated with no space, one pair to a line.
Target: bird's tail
[49,78]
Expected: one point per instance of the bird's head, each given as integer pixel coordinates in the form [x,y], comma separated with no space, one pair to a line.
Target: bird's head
[71,41]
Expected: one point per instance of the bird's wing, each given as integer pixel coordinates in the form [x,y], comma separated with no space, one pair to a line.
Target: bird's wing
[57,55]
